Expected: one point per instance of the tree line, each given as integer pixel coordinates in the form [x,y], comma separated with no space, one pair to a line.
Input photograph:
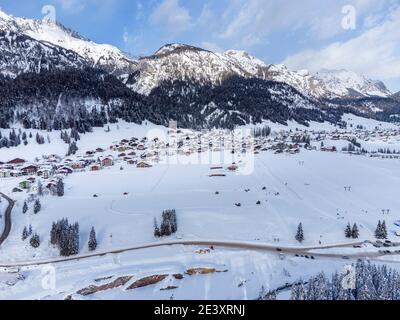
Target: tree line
[169,224]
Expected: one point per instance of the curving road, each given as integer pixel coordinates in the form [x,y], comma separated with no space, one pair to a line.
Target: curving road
[7,218]
[241,245]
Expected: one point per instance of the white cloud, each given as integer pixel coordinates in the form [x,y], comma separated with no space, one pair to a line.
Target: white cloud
[375,53]
[171,16]
[72,5]
[256,19]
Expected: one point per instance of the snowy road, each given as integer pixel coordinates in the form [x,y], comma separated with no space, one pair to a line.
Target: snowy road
[7,218]
[300,251]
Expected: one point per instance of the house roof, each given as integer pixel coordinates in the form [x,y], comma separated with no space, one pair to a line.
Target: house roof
[16,160]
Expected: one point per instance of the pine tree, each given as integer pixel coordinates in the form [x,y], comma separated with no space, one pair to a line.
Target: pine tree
[348,231]
[25,208]
[25,234]
[37,206]
[381,231]
[72,149]
[157,232]
[298,292]
[300,234]
[378,231]
[40,188]
[92,240]
[60,188]
[355,233]
[384,230]
[53,234]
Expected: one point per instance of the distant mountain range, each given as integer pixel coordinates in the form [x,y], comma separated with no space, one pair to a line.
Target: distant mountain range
[396,96]
[197,87]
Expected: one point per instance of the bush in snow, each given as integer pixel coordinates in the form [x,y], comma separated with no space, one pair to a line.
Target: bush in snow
[35,241]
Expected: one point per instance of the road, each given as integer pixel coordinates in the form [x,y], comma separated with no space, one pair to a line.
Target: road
[7,218]
[241,245]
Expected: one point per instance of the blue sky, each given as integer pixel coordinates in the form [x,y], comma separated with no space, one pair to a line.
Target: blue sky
[307,34]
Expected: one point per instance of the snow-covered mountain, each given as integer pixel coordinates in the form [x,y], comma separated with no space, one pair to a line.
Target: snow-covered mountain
[182,62]
[170,63]
[396,96]
[46,32]
[194,86]
[20,53]
[343,83]
[187,63]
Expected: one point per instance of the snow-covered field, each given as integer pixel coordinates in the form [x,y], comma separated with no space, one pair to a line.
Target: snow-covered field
[312,193]
[308,187]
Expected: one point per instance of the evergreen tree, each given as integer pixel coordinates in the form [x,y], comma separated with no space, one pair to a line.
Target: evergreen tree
[384,230]
[381,231]
[53,234]
[169,223]
[300,234]
[348,231]
[92,240]
[157,232]
[66,237]
[371,282]
[355,232]
[25,234]
[72,149]
[60,188]
[40,188]
[37,206]
[298,292]
[378,231]
[25,208]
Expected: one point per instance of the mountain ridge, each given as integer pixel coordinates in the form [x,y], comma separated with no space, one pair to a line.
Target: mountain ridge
[103,56]
[194,86]
[170,63]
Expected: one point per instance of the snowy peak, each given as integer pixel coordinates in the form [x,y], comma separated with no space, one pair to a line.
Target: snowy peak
[174,48]
[97,55]
[20,54]
[178,62]
[172,62]
[3,15]
[244,58]
[344,83]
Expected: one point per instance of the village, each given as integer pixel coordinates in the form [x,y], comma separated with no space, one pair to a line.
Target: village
[233,148]
[121,186]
